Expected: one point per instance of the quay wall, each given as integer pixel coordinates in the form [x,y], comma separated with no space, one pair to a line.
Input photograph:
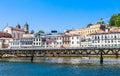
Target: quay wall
[65,60]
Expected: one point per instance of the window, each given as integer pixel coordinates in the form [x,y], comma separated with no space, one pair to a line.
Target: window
[102,37]
[72,37]
[98,41]
[111,41]
[105,37]
[72,42]
[115,37]
[95,37]
[98,37]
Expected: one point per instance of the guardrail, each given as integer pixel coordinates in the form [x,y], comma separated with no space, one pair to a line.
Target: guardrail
[49,48]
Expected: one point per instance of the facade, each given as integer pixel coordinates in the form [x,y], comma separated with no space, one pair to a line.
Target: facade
[89,30]
[5,38]
[75,41]
[39,41]
[16,32]
[59,40]
[85,33]
[109,38]
[14,44]
[45,40]
[86,41]
[66,40]
[25,42]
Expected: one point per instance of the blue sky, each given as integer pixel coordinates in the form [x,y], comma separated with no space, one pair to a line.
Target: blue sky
[58,15]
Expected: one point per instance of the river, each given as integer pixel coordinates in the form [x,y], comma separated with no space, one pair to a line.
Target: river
[52,69]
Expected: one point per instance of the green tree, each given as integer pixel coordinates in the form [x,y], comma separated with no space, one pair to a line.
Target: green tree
[101,21]
[89,25]
[32,32]
[41,32]
[114,20]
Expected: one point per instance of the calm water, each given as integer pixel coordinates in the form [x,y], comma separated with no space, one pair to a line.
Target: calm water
[44,69]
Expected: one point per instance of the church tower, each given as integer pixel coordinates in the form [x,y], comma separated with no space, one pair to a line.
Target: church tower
[18,26]
[26,28]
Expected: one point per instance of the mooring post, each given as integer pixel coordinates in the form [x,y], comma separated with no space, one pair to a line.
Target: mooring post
[101,57]
[116,54]
[32,55]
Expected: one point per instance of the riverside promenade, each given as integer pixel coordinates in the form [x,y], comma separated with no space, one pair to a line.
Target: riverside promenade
[62,52]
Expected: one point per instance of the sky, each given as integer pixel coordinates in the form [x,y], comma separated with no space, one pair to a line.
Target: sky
[57,15]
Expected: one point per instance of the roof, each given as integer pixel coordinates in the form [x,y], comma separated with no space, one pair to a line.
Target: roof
[6,38]
[28,35]
[50,40]
[111,30]
[5,35]
[17,29]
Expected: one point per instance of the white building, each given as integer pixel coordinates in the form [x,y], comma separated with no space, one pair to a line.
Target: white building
[25,42]
[39,41]
[59,40]
[86,41]
[15,44]
[5,38]
[109,38]
[16,32]
[75,41]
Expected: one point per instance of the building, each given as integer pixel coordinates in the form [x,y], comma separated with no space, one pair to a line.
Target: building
[5,38]
[89,30]
[16,32]
[25,42]
[86,41]
[14,44]
[75,40]
[108,38]
[59,40]
[39,40]
[85,33]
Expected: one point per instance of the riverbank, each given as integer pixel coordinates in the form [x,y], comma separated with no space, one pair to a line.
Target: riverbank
[66,60]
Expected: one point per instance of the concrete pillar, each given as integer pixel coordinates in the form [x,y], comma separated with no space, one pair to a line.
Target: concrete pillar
[101,56]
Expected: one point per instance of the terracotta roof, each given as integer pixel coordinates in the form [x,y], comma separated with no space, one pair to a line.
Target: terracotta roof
[6,38]
[17,29]
[50,40]
[112,30]
[5,35]
[28,35]
[115,29]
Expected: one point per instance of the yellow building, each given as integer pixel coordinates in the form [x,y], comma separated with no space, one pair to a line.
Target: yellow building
[89,30]
[85,33]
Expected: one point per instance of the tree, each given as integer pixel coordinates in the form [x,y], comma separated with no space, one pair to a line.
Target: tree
[101,21]
[114,20]
[89,25]
[32,32]
[41,32]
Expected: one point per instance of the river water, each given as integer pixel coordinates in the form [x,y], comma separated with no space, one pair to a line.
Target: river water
[48,69]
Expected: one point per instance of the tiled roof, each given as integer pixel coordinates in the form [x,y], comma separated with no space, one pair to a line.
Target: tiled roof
[6,38]
[111,30]
[28,35]
[17,29]
[50,40]
[5,35]
[115,29]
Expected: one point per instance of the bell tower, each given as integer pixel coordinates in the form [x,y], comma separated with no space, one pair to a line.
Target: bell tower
[26,28]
